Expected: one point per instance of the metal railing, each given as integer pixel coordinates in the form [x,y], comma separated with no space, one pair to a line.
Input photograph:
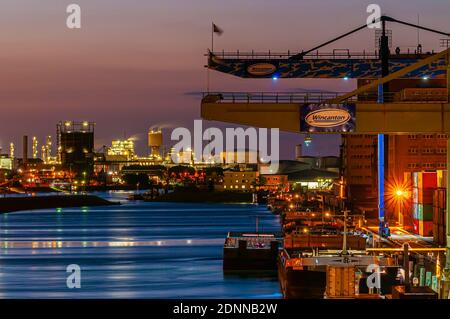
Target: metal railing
[321,97]
[273,97]
[337,54]
[269,55]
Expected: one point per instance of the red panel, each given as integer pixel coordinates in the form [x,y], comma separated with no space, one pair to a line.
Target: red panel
[427,229]
[429,180]
[416,226]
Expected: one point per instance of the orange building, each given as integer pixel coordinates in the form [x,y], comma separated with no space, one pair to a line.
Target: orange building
[275,183]
[415,153]
[405,153]
[359,166]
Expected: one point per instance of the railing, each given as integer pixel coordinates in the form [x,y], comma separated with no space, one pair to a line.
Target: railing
[336,54]
[273,97]
[426,96]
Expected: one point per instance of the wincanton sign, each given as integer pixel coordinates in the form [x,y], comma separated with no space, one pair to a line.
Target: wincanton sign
[328,118]
[261,69]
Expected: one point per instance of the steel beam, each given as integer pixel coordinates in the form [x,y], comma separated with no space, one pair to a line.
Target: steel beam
[371,118]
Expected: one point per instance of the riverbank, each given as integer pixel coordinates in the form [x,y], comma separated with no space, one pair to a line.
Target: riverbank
[205,197]
[13,204]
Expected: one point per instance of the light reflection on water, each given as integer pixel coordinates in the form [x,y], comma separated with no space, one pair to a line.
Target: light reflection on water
[136,250]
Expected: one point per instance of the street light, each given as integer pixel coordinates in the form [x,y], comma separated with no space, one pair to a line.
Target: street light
[400,195]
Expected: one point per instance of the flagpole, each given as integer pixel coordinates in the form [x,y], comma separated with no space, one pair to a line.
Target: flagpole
[212,36]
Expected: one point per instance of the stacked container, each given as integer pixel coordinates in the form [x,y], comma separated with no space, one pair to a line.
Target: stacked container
[340,281]
[424,186]
[439,209]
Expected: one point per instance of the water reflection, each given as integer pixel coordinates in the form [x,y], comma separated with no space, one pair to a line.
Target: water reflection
[136,250]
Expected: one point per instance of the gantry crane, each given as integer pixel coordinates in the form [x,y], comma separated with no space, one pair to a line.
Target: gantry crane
[377,114]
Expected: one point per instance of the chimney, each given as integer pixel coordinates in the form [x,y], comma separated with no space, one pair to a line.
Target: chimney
[25,150]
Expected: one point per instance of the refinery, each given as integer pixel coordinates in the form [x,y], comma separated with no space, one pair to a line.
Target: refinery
[357,211]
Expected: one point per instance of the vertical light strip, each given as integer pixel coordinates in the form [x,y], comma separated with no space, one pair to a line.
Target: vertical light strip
[381,177]
[380,166]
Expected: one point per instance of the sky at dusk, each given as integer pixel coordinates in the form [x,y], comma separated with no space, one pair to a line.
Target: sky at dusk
[138,64]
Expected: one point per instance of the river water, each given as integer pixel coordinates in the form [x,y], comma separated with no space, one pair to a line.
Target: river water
[135,250]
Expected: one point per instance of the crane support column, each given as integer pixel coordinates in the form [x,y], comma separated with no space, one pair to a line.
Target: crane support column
[445,284]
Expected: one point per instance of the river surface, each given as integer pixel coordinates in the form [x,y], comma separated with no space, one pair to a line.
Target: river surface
[135,250]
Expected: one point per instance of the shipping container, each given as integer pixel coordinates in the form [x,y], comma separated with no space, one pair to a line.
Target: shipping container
[415,178]
[423,212]
[415,195]
[441,178]
[429,180]
[427,212]
[423,228]
[439,235]
[340,281]
[427,196]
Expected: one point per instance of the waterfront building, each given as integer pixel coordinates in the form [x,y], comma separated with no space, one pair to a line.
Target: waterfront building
[76,146]
[124,148]
[243,181]
[274,182]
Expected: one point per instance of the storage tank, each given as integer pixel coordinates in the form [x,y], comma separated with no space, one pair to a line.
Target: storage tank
[155,141]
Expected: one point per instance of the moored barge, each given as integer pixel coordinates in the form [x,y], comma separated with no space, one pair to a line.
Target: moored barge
[251,251]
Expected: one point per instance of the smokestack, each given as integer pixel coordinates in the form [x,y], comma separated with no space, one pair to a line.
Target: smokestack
[25,149]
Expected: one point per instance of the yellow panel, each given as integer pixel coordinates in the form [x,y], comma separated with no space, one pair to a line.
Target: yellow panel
[370,117]
[283,116]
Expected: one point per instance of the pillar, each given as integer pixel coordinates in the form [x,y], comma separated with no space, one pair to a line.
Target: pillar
[380,154]
[445,283]
[445,280]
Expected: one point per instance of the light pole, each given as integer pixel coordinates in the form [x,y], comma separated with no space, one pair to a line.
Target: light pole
[400,195]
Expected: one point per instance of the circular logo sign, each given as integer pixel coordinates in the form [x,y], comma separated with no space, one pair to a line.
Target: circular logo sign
[261,69]
[328,118]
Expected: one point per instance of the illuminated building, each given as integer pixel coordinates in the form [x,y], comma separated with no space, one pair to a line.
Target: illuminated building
[11,151]
[275,183]
[47,151]
[360,165]
[415,153]
[75,142]
[155,142]
[239,181]
[123,148]
[34,149]
[6,162]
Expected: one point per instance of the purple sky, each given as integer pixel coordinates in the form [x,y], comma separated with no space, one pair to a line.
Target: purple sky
[135,63]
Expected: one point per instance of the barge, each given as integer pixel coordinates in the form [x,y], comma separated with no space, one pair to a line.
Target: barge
[304,275]
[251,251]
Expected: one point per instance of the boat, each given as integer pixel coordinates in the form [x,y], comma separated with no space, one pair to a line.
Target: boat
[251,251]
[303,275]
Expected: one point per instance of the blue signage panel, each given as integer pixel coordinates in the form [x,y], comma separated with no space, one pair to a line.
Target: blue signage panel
[332,118]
